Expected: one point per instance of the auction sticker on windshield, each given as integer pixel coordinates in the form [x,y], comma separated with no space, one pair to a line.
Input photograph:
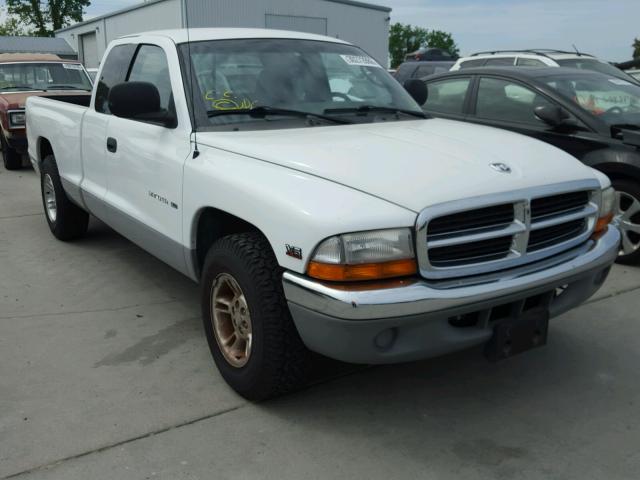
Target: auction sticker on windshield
[619,81]
[72,66]
[360,61]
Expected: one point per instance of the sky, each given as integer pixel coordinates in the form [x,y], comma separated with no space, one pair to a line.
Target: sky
[605,28]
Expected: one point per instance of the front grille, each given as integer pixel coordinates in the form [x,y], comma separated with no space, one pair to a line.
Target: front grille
[489,217]
[562,204]
[547,237]
[485,250]
[458,241]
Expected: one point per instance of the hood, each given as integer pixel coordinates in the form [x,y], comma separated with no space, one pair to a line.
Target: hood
[18,99]
[414,164]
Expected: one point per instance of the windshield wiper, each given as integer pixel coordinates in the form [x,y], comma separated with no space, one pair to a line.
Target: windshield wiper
[364,109]
[628,126]
[21,87]
[262,112]
[64,87]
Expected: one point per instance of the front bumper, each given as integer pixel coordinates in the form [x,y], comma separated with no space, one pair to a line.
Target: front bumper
[409,320]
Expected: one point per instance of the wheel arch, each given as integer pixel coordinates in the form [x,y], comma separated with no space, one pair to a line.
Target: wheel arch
[209,225]
[619,170]
[43,149]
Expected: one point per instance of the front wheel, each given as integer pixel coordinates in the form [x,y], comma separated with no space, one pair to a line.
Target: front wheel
[251,335]
[627,219]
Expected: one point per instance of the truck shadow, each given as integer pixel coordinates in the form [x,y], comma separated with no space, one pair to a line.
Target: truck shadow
[448,413]
[461,408]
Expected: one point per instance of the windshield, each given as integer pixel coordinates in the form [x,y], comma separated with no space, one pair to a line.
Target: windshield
[42,76]
[594,65]
[613,100]
[320,78]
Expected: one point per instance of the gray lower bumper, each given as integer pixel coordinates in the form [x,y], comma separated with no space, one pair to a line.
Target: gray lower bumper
[410,320]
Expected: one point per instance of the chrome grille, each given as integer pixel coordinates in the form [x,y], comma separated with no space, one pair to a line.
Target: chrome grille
[483,250]
[481,235]
[547,237]
[558,205]
[489,217]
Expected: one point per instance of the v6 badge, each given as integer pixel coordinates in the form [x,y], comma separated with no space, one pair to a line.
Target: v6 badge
[295,252]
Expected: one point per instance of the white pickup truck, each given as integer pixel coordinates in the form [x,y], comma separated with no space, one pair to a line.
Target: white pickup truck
[318,207]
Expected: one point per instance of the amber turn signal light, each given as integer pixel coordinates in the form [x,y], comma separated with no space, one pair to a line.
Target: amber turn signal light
[602,226]
[365,271]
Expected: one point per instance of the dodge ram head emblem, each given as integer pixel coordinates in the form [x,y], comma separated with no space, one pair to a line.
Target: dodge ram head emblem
[501,167]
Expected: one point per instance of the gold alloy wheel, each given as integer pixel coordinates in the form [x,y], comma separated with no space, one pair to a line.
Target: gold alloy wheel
[231,320]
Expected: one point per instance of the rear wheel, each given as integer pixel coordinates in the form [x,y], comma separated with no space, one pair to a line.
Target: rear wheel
[10,156]
[247,322]
[627,219]
[66,220]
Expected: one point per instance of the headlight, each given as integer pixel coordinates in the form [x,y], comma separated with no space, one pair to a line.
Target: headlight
[608,202]
[17,119]
[607,205]
[368,255]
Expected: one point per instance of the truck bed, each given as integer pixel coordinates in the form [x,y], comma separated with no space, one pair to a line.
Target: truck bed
[82,100]
[57,121]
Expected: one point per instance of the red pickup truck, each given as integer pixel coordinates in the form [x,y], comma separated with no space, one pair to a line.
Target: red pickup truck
[26,75]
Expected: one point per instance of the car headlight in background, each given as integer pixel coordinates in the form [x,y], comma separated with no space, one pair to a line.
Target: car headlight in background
[370,255]
[17,119]
[605,216]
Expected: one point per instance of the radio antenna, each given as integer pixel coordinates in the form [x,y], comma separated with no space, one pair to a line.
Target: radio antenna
[196,152]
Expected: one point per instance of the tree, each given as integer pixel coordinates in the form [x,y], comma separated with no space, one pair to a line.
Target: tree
[46,16]
[11,26]
[636,48]
[404,39]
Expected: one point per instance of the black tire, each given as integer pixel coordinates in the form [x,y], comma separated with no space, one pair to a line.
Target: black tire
[70,221]
[631,189]
[279,361]
[11,158]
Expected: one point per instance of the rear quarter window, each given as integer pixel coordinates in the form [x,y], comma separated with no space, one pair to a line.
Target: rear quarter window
[114,71]
[473,63]
[529,62]
[501,62]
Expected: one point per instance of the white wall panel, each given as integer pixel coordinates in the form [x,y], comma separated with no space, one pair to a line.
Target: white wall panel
[365,27]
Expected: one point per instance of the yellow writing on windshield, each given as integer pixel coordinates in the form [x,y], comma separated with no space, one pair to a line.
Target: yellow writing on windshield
[229,101]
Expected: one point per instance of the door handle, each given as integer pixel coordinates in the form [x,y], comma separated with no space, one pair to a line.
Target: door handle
[112,144]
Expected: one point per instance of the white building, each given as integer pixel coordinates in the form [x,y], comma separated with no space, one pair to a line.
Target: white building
[363,24]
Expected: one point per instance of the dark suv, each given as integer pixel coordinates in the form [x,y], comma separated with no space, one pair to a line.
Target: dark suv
[413,69]
[593,116]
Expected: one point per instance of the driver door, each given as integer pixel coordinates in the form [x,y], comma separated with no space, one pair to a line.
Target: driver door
[145,165]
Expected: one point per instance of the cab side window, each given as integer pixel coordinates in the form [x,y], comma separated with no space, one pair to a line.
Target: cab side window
[150,65]
[447,96]
[114,71]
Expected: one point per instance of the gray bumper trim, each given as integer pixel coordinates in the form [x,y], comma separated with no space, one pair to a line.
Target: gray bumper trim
[413,297]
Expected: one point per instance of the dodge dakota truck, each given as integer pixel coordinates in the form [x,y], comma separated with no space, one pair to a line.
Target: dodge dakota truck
[26,75]
[316,204]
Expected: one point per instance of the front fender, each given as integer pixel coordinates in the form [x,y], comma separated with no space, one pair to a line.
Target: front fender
[289,207]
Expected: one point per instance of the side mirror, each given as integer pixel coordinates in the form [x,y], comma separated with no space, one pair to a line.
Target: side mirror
[552,115]
[418,90]
[139,101]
